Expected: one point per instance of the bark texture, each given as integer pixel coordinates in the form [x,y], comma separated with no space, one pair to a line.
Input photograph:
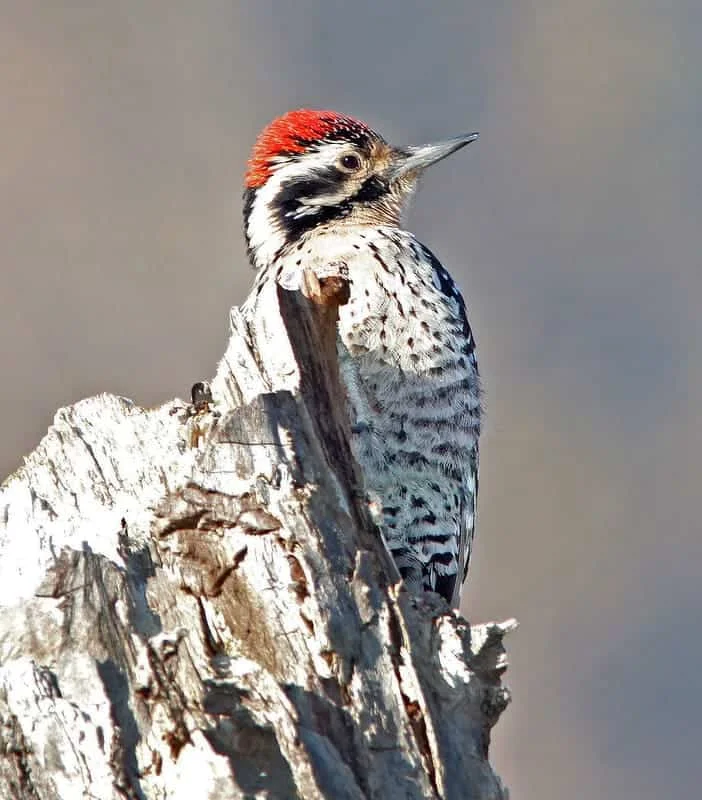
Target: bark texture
[195,603]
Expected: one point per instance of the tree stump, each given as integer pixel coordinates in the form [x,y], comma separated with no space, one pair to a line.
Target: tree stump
[196,603]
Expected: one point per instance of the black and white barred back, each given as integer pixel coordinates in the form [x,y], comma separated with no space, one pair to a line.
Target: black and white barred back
[407,353]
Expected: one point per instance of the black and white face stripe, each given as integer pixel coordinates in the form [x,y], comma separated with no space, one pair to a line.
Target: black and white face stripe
[321,198]
[309,189]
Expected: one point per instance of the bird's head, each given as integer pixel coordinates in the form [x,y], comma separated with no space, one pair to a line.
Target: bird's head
[313,168]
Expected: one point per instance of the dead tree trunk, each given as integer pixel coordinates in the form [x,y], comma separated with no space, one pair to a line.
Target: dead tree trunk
[195,603]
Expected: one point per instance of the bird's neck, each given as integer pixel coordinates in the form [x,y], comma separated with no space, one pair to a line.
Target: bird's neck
[268,239]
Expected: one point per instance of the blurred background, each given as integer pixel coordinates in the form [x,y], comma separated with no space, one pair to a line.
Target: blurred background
[573,227]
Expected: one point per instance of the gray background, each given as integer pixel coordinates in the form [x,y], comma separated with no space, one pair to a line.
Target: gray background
[572,226]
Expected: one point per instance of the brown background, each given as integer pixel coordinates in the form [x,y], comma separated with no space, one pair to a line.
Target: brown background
[573,226]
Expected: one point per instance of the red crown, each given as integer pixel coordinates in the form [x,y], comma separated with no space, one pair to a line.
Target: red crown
[292,133]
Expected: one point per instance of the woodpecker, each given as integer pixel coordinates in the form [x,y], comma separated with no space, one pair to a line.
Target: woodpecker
[324,188]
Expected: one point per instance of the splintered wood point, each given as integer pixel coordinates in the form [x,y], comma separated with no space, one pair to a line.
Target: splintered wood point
[331,288]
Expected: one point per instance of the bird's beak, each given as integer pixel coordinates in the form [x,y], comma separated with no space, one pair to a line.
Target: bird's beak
[413,160]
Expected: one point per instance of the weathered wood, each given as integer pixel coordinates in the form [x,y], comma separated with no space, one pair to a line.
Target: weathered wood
[196,603]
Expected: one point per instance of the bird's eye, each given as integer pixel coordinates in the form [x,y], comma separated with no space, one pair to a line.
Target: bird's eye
[350,162]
